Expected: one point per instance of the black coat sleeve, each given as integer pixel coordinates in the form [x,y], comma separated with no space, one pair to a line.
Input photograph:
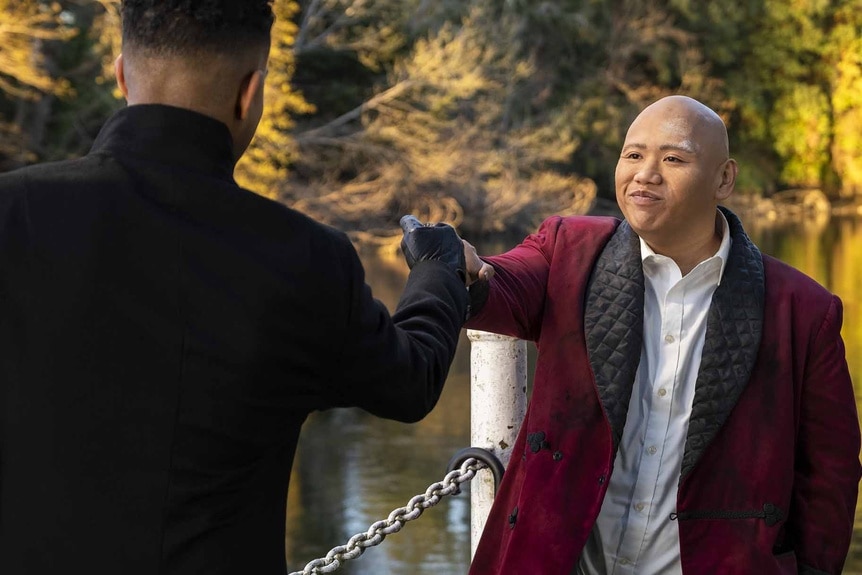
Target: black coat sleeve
[395,366]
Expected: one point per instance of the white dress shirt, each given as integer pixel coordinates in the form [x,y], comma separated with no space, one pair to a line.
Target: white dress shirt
[633,532]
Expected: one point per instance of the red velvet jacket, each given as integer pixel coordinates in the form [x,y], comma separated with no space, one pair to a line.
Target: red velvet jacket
[770,471]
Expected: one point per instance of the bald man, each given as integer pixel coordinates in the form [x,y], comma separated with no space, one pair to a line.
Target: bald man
[164,333]
[692,411]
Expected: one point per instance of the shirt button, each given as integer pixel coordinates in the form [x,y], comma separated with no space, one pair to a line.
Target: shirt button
[662,392]
[624,561]
[669,338]
[651,450]
[639,506]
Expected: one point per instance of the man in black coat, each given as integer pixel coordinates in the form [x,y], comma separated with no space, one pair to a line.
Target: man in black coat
[164,333]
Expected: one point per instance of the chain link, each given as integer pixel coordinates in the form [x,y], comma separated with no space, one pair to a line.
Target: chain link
[377,532]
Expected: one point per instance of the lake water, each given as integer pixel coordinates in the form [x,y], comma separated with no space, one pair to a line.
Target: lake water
[353,469]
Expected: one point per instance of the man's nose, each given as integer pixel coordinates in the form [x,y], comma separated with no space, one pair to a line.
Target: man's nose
[647,174]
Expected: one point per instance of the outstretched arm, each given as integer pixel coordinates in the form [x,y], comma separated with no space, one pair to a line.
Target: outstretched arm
[395,367]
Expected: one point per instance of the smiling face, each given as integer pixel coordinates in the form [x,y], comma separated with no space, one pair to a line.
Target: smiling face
[672,172]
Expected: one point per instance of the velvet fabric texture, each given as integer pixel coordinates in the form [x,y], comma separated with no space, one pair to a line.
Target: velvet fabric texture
[771,468]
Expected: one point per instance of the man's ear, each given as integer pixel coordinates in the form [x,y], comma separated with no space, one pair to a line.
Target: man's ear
[728,180]
[120,73]
[247,92]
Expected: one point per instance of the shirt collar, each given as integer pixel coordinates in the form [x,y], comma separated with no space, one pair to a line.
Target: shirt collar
[722,253]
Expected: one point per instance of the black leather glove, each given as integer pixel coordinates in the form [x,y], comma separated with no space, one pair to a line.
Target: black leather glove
[422,242]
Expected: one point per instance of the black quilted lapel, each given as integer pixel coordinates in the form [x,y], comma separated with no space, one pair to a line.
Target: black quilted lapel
[733,330]
[613,323]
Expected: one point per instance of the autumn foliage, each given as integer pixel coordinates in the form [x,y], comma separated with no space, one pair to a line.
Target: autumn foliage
[488,114]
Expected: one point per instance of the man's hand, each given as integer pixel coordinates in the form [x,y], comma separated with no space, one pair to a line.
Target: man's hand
[477,270]
[423,242]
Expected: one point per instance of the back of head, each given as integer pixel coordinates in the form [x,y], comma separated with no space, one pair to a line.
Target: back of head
[188,28]
[207,56]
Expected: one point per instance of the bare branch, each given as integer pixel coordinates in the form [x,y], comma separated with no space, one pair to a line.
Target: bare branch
[354,114]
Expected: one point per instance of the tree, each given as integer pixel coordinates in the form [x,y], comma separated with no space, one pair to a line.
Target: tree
[107,33]
[264,167]
[795,92]
[844,52]
[449,133]
[485,113]
[26,25]
[25,72]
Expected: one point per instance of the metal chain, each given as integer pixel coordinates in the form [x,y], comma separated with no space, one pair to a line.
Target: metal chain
[377,532]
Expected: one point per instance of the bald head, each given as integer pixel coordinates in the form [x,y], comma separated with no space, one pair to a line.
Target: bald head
[707,134]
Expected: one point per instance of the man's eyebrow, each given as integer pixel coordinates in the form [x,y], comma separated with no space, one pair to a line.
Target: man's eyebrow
[684,146]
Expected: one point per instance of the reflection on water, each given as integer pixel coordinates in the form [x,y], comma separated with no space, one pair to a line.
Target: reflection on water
[832,256]
[353,469]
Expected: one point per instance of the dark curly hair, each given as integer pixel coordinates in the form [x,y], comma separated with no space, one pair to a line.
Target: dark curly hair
[189,27]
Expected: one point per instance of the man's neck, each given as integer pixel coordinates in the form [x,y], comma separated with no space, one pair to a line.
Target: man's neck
[687,255]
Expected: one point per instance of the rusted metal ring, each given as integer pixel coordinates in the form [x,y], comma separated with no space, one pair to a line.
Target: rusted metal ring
[480,454]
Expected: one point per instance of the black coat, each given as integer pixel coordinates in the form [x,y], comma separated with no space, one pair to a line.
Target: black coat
[163,335]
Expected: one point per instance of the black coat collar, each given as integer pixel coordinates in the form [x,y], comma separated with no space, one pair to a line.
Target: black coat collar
[169,135]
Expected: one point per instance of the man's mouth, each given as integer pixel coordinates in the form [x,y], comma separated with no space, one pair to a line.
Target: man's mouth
[641,196]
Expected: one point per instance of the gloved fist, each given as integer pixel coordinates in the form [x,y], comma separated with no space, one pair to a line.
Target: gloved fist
[422,242]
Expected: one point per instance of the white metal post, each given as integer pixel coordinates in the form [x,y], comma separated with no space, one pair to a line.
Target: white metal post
[498,403]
